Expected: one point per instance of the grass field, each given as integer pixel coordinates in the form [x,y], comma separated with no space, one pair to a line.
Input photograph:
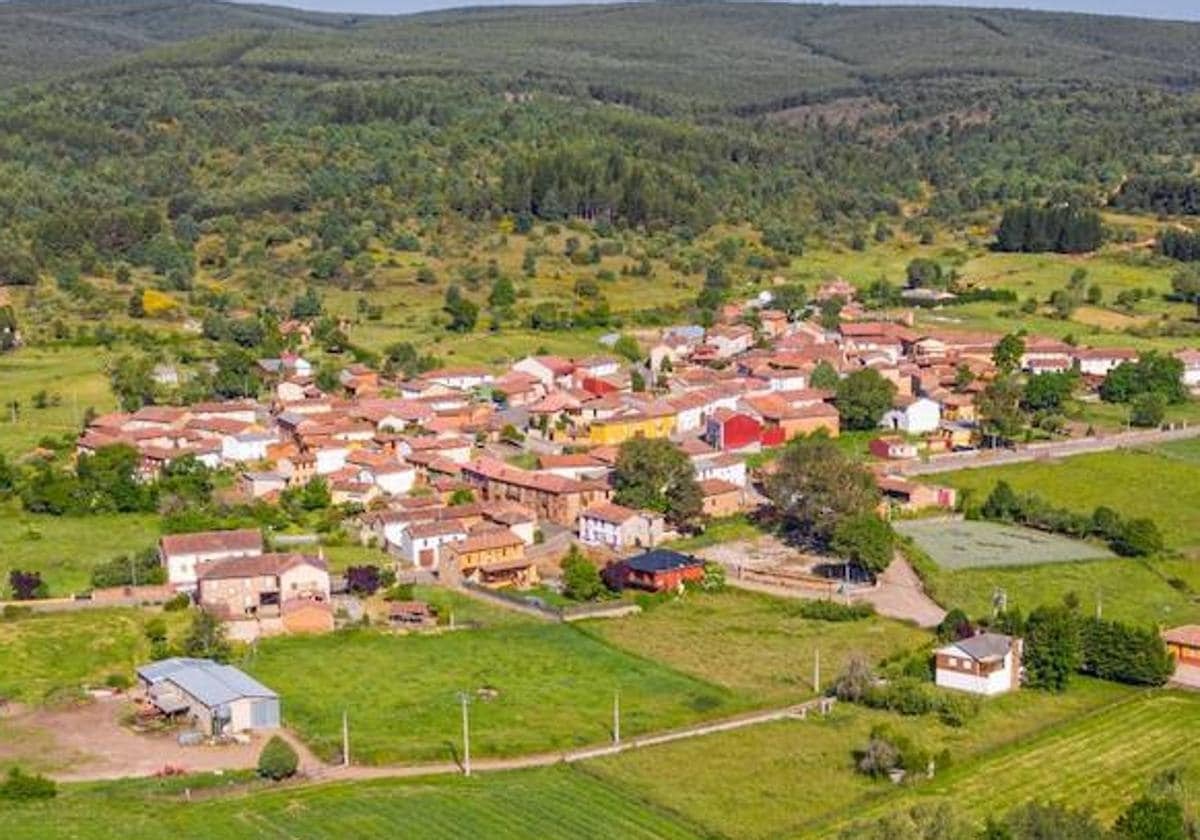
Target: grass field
[1128,589]
[752,644]
[781,779]
[64,549]
[1163,485]
[1099,762]
[555,803]
[75,375]
[971,544]
[49,651]
[534,687]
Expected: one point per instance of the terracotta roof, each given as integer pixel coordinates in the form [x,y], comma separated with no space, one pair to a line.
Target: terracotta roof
[717,487]
[609,512]
[261,565]
[498,538]
[439,528]
[208,542]
[1187,635]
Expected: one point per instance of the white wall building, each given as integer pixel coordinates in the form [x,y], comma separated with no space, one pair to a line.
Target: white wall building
[987,664]
[918,417]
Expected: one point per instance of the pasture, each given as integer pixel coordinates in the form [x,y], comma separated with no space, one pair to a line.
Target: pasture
[533,687]
[1098,762]
[752,644]
[73,378]
[971,544]
[1162,485]
[556,803]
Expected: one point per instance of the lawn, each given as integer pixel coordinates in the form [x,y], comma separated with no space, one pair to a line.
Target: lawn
[554,803]
[1099,762]
[1163,485]
[779,780]
[64,549]
[971,544]
[533,687]
[45,652]
[1128,589]
[752,644]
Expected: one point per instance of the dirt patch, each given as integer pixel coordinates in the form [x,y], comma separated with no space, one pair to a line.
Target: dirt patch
[89,742]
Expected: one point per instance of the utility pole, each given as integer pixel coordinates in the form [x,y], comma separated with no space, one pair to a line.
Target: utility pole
[617,716]
[466,726]
[345,739]
[817,672]
[1099,603]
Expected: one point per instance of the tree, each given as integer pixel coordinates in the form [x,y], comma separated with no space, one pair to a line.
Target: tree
[1118,652]
[1051,821]
[137,305]
[132,381]
[155,631]
[999,407]
[862,399]
[581,578]
[816,485]
[503,294]
[235,377]
[363,580]
[1185,285]
[27,586]
[955,625]
[278,760]
[1138,538]
[1148,410]
[463,312]
[1048,391]
[824,376]
[1052,647]
[1153,372]
[654,474]
[866,541]
[923,273]
[628,347]
[1151,819]
[790,298]
[205,638]
[1008,352]
[854,682]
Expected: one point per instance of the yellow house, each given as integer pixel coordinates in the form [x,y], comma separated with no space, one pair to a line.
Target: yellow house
[494,558]
[615,430]
[959,408]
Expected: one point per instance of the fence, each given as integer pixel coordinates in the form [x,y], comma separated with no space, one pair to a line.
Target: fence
[530,605]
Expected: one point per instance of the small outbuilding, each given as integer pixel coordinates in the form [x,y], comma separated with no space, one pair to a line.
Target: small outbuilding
[986,663]
[657,571]
[217,699]
[1183,643]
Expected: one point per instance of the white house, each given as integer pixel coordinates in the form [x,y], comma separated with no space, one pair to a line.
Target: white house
[421,545]
[552,371]
[330,459]
[249,446]
[619,527]
[988,663]
[722,466]
[460,378]
[915,418]
[1191,367]
[1098,361]
[181,553]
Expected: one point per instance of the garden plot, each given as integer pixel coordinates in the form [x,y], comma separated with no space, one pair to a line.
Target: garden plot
[970,544]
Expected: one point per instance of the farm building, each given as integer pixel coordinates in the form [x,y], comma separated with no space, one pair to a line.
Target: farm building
[218,699]
[658,570]
[987,663]
[1183,643]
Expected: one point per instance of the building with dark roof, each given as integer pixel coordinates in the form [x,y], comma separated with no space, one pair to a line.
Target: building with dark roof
[659,570]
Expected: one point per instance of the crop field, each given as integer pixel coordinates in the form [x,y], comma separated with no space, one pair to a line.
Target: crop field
[1099,762]
[533,687]
[973,545]
[1162,485]
[781,779]
[1124,588]
[553,803]
[45,652]
[753,644]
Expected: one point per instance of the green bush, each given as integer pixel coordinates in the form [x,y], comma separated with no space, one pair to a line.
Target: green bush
[23,787]
[181,601]
[120,682]
[832,610]
[399,592]
[278,760]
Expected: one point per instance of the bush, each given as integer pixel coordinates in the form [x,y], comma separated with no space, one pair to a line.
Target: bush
[399,592]
[179,601]
[120,682]
[278,760]
[833,610]
[23,787]
[1115,651]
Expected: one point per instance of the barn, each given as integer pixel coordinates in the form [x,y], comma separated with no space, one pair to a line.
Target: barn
[217,699]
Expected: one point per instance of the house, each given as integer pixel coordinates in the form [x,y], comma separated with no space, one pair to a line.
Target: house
[909,496]
[913,417]
[892,448]
[494,558]
[619,527]
[182,553]
[728,430]
[421,545]
[552,497]
[1099,361]
[1191,367]
[720,498]
[659,570]
[987,663]
[1043,355]
[651,420]
[217,699]
[720,465]
[268,587]
[255,485]
[552,371]
[1183,643]
[412,615]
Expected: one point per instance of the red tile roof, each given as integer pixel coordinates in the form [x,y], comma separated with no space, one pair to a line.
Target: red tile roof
[209,542]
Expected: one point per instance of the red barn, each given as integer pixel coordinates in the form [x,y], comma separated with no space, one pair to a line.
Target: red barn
[728,429]
[658,571]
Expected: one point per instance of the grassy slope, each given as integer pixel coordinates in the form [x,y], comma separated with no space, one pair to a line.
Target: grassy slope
[752,644]
[555,689]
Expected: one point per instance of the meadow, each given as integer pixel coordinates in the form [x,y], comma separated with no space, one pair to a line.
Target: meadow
[752,644]
[553,803]
[971,544]
[533,687]
[1098,762]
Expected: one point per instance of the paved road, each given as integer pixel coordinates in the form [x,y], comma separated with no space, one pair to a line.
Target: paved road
[1043,451]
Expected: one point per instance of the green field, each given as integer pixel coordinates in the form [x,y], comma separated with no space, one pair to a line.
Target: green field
[970,544]
[48,651]
[534,687]
[1099,762]
[553,803]
[1162,485]
[753,644]
[780,779]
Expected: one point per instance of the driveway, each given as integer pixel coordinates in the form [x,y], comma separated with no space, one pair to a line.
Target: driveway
[900,594]
[1187,676]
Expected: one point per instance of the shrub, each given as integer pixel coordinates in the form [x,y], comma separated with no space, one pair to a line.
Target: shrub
[399,592]
[833,610]
[854,683]
[179,601]
[278,760]
[120,682]
[23,787]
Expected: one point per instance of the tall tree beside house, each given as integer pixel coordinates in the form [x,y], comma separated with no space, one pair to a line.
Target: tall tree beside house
[132,381]
[1008,352]
[824,376]
[652,473]
[1052,647]
[999,408]
[581,578]
[866,541]
[205,638]
[862,399]
[816,486]
[1153,372]
[235,377]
